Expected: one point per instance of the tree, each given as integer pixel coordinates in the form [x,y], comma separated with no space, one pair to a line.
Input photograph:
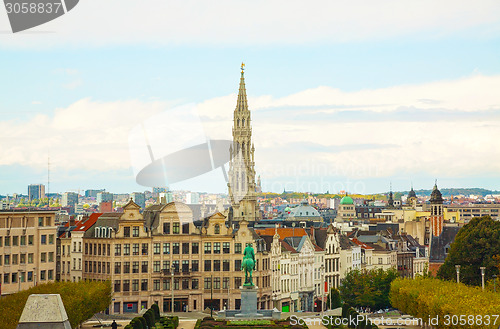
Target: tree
[368,288]
[334,298]
[475,245]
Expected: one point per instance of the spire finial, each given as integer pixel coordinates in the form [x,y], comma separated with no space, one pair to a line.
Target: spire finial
[242,67]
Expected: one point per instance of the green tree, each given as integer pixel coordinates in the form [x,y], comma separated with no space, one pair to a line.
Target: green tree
[475,245]
[334,299]
[368,288]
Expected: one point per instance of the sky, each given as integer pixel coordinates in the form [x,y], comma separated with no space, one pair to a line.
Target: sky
[354,96]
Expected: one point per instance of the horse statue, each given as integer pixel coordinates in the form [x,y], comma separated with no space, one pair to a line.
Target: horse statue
[248,264]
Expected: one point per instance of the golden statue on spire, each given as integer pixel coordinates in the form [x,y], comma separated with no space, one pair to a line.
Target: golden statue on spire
[242,67]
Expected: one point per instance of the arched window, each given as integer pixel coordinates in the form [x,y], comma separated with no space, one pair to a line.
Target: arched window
[217,229]
[238,123]
[243,123]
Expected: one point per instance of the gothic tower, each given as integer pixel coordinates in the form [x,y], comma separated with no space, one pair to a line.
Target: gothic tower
[241,184]
[437,219]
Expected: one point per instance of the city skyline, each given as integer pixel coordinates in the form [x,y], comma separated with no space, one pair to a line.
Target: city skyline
[345,103]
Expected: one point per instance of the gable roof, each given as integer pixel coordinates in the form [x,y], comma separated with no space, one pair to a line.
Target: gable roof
[283,232]
[85,225]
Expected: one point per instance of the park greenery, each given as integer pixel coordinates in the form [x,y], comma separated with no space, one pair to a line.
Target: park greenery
[152,319]
[333,299]
[368,288]
[211,323]
[81,300]
[477,244]
[464,306]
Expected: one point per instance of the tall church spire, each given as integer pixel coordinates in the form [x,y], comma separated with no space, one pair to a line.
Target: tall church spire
[241,167]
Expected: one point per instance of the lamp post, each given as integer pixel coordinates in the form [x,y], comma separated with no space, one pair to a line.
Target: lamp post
[172,269]
[458,273]
[211,296]
[482,275]
[494,282]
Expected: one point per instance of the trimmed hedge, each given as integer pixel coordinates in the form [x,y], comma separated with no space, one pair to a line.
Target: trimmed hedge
[429,297]
[81,300]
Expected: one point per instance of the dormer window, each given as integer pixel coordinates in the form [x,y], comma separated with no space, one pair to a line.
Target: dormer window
[217,229]
[176,228]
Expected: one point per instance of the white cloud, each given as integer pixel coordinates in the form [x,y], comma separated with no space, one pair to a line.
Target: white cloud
[292,137]
[237,22]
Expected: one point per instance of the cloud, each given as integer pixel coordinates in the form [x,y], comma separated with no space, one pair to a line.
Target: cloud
[325,131]
[269,22]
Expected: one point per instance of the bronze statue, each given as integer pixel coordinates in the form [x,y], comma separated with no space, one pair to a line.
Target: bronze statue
[248,264]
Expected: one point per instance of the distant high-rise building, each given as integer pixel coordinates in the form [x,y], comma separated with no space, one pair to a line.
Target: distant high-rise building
[104,197]
[36,191]
[106,206]
[139,199]
[242,166]
[165,198]
[92,193]
[192,198]
[69,199]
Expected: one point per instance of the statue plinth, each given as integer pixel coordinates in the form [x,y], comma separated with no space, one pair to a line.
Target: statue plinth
[248,302]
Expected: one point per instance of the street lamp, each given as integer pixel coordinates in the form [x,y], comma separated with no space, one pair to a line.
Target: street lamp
[458,273]
[321,290]
[494,282]
[482,275]
[172,269]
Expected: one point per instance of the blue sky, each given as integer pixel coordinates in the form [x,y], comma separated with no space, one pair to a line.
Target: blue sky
[343,96]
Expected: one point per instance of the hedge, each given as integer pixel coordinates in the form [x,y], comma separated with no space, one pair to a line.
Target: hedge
[81,300]
[426,298]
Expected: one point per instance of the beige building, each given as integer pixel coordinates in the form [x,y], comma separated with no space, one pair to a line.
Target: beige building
[27,249]
[149,257]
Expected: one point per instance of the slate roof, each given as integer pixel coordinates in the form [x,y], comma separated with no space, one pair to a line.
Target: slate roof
[440,243]
[109,219]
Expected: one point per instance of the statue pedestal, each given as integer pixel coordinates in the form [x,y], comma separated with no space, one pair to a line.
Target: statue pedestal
[248,302]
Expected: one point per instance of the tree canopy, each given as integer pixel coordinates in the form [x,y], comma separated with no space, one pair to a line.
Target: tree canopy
[368,288]
[475,245]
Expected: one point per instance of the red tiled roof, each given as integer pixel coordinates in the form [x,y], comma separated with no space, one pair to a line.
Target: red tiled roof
[84,226]
[361,244]
[288,247]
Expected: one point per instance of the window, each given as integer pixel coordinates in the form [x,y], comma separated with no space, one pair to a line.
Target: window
[225,283]
[51,257]
[50,275]
[144,285]
[208,248]
[156,266]
[7,241]
[30,276]
[237,282]
[156,248]
[166,284]
[6,278]
[126,232]
[194,284]
[237,264]
[118,249]
[126,249]
[135,231]
[6,260]
[126,267]
[185,266]
[166,248]
[185,228]
[225,265]
[43,257]
[14,259]
[175,248]
[117,285]
[237,248]
[166,228]
[15,240]
[217,229]
[1,241]
[40,221]
[195,265]
[176,284]
[43,239]
[42,275]
[144,248]
[126,285]
[195,248]
[135,267]
[118,267]
[23,240]
[22,259]
[216,265]
[175,264]
[51,240]
[225,247]
[208,265]
[185,248]
[14,277]
[216,247]
[30,240]
[135,285]
[156,285]
[135,249]
[175,228]
[166,265]
[207,283]
[185,284]
[144,267]
[216,283]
